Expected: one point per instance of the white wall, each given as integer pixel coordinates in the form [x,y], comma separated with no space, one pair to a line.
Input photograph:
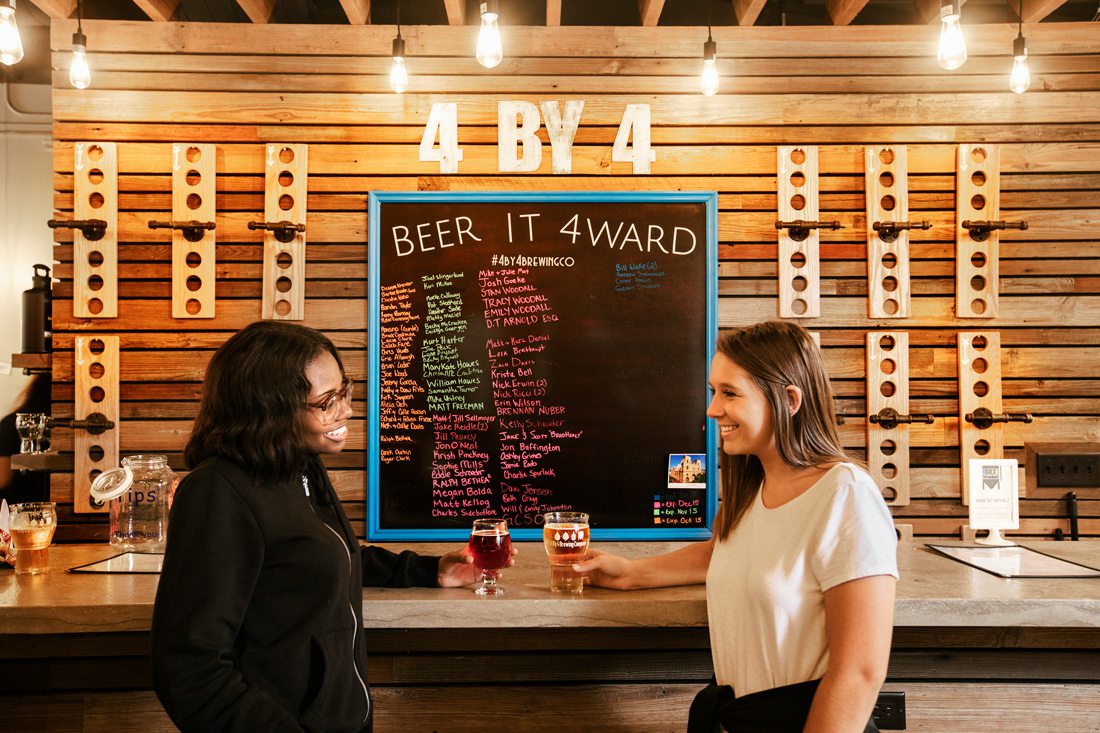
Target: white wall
[26,203]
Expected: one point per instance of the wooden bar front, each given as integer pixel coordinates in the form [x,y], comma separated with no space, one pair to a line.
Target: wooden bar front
[971,651]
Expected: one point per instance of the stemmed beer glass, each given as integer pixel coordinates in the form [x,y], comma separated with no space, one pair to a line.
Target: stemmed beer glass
[491,548]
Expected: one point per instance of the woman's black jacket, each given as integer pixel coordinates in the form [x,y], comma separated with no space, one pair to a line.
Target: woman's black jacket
[258,621]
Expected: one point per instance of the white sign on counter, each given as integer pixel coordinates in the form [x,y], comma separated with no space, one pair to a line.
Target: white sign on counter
[994,497]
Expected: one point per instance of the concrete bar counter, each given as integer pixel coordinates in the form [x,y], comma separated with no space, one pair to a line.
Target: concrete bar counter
[971,651]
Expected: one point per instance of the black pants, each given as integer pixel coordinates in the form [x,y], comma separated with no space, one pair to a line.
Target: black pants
[779,710]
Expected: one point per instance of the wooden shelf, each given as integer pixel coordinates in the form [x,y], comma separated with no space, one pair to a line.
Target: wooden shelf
[41,462]
[32,362]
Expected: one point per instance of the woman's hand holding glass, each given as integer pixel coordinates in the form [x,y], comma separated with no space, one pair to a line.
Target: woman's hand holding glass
[456,568]
[605,570]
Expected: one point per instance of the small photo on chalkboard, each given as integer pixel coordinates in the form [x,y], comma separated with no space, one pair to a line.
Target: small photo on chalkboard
[533,352]
[687,471]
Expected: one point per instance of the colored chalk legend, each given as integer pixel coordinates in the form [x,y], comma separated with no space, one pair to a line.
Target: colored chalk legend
[679,509]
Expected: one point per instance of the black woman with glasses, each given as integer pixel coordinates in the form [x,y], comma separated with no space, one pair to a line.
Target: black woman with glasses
[258,622]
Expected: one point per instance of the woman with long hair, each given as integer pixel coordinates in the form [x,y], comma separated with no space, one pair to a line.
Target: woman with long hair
[801,569]
[258,620]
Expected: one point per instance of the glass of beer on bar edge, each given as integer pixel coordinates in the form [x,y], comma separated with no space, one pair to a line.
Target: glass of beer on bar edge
[32,526]
[565,536]
[491,548]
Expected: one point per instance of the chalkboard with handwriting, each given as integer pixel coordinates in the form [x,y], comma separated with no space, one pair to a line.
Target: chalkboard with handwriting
[532,352]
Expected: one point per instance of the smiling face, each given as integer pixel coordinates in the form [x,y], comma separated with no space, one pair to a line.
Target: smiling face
[740,410]
[324,378]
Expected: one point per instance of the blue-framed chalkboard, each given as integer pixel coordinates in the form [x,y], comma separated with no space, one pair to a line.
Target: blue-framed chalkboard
[538,351]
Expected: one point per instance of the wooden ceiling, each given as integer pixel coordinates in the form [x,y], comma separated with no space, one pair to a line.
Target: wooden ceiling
[570,12]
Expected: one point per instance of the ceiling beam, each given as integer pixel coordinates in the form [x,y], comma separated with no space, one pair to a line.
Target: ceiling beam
[159,10]
[456,11]
[56,9]
[258,11]
[843,12]
[747,11]
[358,11]
[650,11]
[1036,10]
[929,10]
[553,13]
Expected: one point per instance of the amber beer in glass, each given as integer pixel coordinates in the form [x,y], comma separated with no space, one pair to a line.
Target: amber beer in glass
[32,526]
[565,536]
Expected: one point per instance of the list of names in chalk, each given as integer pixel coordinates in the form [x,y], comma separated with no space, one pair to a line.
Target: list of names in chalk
[534,432]
[462,485]
[400,417]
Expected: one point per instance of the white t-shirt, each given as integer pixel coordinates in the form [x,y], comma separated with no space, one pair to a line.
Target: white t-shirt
[766,582]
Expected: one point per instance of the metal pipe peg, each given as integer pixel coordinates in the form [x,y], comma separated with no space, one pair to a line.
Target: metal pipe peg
[979,230]
[799,229]
[888,230]
[192,230]
[92,229]
[983,418]
[888,418]
[96,423]
[284,231]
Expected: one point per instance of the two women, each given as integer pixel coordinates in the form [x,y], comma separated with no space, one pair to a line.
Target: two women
[801,570]
[258,622]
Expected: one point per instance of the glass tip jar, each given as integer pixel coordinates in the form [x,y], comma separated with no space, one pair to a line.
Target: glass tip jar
[138,496]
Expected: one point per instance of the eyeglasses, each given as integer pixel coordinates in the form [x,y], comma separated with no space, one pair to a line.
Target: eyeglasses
[330,406]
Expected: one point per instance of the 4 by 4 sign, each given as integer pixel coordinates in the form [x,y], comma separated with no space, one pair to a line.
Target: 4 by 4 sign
[518,144]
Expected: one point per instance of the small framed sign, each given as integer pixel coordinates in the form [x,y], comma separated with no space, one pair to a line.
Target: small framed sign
[994,498]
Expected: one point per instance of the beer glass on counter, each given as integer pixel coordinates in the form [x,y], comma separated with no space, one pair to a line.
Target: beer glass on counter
[32,526]
[491,548]
[565,536]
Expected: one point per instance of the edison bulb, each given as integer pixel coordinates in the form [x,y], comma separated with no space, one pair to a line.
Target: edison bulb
[489,50]
[952,50]
[709,81]
[399,75]
[80,75]
[11,48]
[1020,79]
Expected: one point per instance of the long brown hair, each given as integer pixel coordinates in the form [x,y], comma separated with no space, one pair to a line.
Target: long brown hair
[777,354]
[253,398]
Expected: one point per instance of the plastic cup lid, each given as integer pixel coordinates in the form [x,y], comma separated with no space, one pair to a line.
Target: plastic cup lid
[111,483]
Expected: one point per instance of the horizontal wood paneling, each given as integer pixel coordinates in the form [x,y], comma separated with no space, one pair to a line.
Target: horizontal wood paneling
[158,83]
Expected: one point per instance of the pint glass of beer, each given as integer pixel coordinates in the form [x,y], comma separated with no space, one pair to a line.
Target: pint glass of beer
[32,526]
[565,536]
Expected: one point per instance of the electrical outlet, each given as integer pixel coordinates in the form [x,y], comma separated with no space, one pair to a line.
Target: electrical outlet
[889,712]
[1067,470]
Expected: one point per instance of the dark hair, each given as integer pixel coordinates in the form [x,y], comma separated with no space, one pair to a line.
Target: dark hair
[777,354]
[253,398]
[36,397]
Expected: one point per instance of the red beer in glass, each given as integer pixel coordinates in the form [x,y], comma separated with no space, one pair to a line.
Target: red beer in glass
[491,548]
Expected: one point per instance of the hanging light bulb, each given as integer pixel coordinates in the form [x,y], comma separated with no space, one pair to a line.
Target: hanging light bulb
[1020,79]
[11,48]
[709,81]
[399,75]
[489,51]
[952,51]
[80,76]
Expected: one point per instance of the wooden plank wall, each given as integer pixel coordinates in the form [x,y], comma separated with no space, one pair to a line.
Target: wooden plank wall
[839,88]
